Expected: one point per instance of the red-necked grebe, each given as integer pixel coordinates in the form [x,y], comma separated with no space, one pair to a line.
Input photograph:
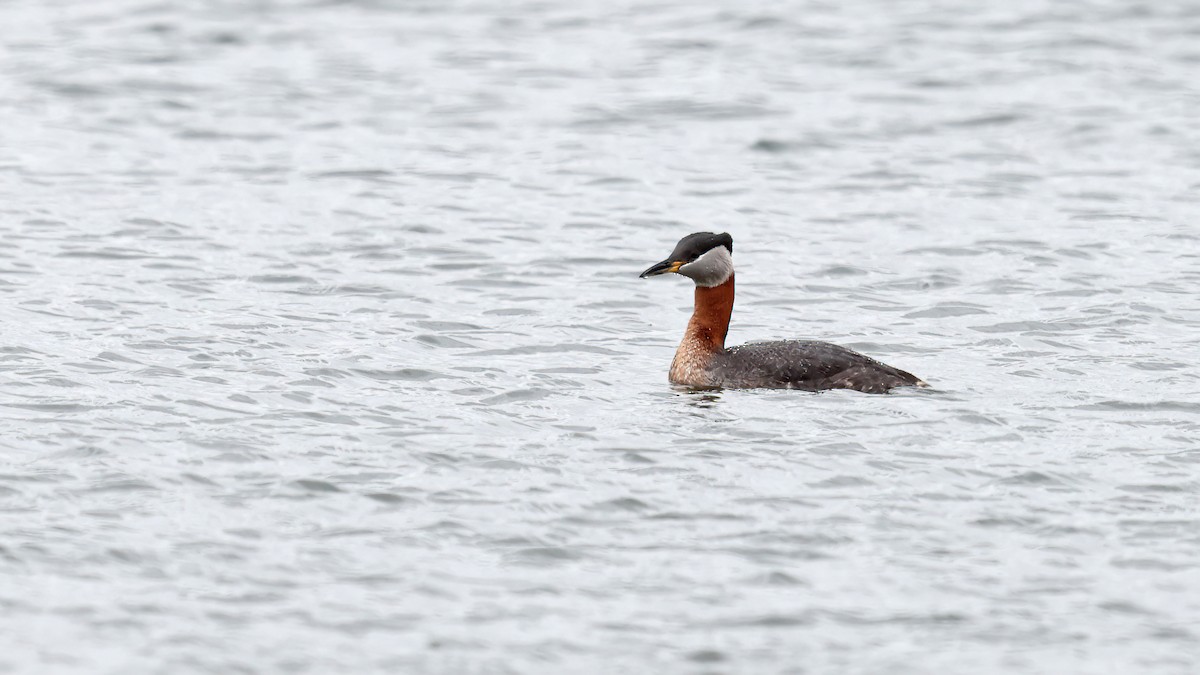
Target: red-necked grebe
[703,361]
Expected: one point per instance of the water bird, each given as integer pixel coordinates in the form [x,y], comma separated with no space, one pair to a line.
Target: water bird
[703,361]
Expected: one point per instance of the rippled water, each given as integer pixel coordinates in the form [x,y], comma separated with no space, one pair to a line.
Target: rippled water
[325,349]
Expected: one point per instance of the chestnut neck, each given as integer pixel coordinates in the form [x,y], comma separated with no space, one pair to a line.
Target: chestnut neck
[710,318]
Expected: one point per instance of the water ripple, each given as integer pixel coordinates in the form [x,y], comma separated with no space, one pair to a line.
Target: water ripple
[326,350]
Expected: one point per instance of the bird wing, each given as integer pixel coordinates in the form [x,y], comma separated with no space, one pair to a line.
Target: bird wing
[812,365]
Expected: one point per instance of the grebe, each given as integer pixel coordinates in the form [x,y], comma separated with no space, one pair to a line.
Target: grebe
[703,361]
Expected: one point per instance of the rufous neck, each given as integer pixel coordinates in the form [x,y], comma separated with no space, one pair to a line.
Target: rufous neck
[710,317]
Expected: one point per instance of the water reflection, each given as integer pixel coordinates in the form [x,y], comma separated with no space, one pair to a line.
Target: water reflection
[287,386]
[700,397]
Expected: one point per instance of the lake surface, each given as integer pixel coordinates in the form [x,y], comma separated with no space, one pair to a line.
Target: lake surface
[325,350]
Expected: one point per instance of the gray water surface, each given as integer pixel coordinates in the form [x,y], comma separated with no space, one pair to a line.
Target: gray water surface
[324,348]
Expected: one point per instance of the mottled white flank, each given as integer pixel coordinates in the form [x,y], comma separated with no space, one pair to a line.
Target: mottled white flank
[711,269]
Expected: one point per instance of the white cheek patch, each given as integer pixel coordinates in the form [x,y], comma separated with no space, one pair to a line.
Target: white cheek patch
[711,269]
